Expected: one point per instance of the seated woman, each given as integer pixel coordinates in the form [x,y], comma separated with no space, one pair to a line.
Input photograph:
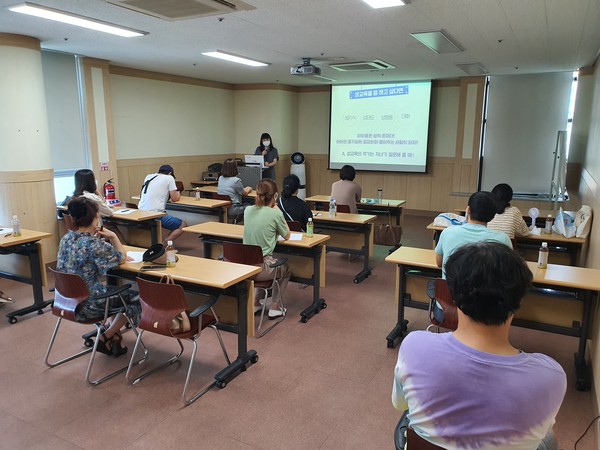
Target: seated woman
[345,191]
[230,184]
[85,186]
[293,208]
[263,223]
[86,252]
[509,219]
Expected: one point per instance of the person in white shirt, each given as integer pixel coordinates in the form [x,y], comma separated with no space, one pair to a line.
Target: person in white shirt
[158,188]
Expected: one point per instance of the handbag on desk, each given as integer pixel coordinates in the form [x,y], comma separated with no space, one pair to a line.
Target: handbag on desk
[387,234]
[180,323]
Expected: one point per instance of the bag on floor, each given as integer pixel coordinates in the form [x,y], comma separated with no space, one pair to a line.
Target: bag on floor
[181,323]
[387,234]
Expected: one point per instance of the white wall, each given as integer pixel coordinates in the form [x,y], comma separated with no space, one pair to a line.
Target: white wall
[157,118]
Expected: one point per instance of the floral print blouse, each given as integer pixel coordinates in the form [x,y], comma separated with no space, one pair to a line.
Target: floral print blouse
[87,256]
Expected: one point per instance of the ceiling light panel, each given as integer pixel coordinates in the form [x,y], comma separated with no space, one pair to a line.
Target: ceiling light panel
[377,4]
[235,58]
[56,15]
[437,41]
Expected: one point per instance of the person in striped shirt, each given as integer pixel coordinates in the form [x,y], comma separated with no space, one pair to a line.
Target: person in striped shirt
[508,219]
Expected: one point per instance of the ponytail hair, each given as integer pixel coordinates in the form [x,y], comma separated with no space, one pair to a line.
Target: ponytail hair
[291,184]
[83,211]
[265,192]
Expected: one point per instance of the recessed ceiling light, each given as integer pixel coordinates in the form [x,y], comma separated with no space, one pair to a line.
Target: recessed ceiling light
[473,68]
[44,12]
[235,58]
[376,4]
[437,41]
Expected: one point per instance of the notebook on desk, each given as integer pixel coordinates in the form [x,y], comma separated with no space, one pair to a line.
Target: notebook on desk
[255,160]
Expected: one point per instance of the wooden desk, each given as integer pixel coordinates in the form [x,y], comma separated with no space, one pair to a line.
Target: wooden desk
[349,233]
[208,277]
[366,206]
[200,206]
[208,191]
[201,183]
[559,301]
[26,245]
[529,245]
[138,219]
[298,252]
[540,220]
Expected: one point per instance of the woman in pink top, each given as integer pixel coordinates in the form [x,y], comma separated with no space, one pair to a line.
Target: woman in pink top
[346,191]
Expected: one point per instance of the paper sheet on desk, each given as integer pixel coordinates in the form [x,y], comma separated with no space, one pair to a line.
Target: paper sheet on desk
[293,237]
[6,230]
[136,256]
[124,211]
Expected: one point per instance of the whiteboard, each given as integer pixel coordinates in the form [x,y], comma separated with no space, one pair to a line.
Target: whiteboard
[524,115]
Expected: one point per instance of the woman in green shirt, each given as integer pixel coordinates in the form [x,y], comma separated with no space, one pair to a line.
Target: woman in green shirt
[263,223]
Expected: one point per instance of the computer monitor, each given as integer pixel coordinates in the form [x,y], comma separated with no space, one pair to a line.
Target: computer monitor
[255,160]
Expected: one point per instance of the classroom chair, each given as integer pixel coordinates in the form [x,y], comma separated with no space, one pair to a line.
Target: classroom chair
[343,208]
[70,291]
[69,225]
[162,303]
[442,310]
[294,225]
[180,186]
[252,255]
[131,205]
[406,438]
[226,198]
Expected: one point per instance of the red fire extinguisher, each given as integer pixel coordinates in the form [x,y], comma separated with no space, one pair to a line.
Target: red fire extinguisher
[109,190]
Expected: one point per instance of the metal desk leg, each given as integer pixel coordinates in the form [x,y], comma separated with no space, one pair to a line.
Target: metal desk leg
[244,355]
[318,303]
[402,324]
[581,369]
[31,251]
[366,269]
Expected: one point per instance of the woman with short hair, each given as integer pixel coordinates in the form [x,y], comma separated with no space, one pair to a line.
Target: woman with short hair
[345,191]
[231,185]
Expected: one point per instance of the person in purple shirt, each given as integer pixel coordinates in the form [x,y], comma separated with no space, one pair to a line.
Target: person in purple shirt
[471,389]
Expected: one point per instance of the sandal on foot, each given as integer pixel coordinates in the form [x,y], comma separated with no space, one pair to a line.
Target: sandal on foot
[102,347]
[117,349]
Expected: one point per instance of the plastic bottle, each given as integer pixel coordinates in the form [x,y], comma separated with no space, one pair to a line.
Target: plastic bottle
[379,196]
[543,256]
[171,254]
[332,207]
[548,228]
[197,194]
[310,228]
[16,226]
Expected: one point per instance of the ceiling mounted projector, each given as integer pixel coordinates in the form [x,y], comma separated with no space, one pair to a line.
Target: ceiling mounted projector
[306,68]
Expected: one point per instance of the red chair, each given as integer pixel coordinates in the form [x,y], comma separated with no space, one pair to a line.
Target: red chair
[343,208]
[161,304]
[442,310]
[70,291]
[294,225]
[251,255]
[226,198]
[180,186]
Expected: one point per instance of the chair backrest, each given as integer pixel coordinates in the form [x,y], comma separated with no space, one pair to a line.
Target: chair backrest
[161,303]
[180,186]
[242,253]
[69,291]
[343,208]
[294,225]
[225,198]
[69,225]
[443,297]
[131,206]
[416,442]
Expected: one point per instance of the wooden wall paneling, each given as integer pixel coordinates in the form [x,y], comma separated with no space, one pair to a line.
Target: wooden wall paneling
[441,187]
[418,193]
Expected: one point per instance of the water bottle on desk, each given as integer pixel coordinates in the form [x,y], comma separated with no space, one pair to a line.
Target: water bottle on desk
[543,256]
[310,228]
[171,254]
[197,194]
[379,196]
[332,207]
[548,228]
[16,226]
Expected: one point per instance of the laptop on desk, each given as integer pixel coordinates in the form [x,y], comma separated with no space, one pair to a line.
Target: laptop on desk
[255,160]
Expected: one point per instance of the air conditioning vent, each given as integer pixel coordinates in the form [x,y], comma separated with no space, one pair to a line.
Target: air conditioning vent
[182,9]
[376,64]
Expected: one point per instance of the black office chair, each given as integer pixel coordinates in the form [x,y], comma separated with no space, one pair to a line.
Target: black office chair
[405,437]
